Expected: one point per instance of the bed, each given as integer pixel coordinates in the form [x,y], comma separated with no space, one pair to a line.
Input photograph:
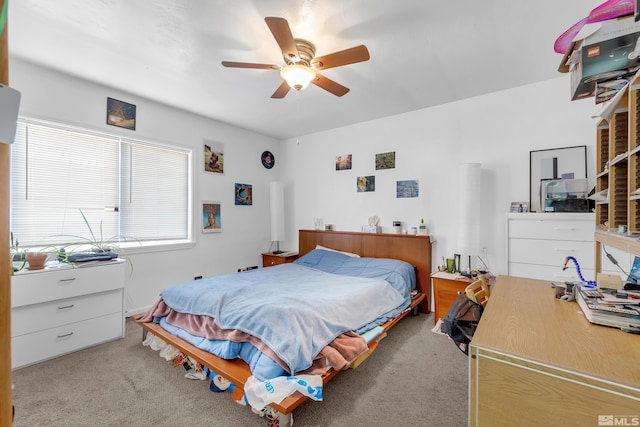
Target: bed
[337,341]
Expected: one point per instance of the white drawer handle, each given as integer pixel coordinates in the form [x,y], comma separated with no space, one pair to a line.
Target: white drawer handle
[65,307]
[564,228]
[65,335]
[63,281]
[564,250]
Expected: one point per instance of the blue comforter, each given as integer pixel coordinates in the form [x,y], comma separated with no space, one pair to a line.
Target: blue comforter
[297,309]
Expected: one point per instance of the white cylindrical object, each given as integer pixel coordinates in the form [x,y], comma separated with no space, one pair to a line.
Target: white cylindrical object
[469,210]
[276,208]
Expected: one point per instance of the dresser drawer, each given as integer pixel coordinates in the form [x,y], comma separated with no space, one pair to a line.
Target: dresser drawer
[48,285]
[46,315]
[550,273]
[552,229]
[552,252]
[42,345]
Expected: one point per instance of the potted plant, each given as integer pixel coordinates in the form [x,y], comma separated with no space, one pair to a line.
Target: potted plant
[36,260]
[18,256]
[95,244]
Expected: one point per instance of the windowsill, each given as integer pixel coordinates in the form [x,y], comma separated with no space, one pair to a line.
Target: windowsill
[132,248]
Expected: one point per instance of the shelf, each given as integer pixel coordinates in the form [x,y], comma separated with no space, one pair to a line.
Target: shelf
[620,241]
[619,158]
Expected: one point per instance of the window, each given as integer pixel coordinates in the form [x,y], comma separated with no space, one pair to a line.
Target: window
[128,189]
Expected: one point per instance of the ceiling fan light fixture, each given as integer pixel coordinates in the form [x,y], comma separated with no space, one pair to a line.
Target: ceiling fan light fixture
[297,76]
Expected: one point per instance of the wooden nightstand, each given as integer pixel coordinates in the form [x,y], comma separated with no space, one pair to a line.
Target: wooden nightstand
[269,259]
[446,287]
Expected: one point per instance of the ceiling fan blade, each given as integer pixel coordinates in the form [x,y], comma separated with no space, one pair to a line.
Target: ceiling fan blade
[344,57]
[282,90]
[250,65]
[282,32]
[329,85]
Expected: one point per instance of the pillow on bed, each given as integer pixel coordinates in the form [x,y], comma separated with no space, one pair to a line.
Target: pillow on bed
[400,274]
[335,250]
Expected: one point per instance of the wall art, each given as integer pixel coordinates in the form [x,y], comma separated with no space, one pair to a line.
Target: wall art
[366,183]
[244,194]
[386,160]
[121,114]
[213,157]
[407,189]
[268,159]
[343,162]
[211,217]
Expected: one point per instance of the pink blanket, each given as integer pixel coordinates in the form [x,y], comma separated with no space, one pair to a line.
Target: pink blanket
[339,354]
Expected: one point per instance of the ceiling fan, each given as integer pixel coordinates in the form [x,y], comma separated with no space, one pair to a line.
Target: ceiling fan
[301,64]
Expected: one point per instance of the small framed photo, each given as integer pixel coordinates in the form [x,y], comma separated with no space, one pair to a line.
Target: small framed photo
[211,217]
[343,162]
[244,194]
[121,114]
[519,206]
[386,160]
[366,183]
[407,189]
[213,154]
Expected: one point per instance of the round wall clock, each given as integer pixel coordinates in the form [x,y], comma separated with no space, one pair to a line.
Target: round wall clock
[268,160]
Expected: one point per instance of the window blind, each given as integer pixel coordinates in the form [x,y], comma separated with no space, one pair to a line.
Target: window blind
[127,189]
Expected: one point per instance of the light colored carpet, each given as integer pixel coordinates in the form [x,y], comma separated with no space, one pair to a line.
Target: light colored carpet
[414,378]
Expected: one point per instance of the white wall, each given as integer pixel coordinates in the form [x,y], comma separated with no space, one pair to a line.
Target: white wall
[497,130]
[49,95]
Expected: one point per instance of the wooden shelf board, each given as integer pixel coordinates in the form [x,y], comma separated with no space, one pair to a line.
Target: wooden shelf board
[625,243]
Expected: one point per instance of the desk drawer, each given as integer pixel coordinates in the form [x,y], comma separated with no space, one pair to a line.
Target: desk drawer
[552,252]
[33,318]
[552,229]
[39,346]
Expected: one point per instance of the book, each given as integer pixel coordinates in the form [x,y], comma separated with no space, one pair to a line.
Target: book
[621,315]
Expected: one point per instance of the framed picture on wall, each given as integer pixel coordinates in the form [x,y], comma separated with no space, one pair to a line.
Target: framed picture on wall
[554,163]
[343,162]
[213,154]
[211,217]
[366,183]
[407,189]
[244,194]
[386,160]
[121,114]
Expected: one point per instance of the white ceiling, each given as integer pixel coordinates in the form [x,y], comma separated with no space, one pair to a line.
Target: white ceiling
[423,52]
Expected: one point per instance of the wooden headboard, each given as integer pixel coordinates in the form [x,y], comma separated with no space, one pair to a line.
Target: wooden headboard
[415,250]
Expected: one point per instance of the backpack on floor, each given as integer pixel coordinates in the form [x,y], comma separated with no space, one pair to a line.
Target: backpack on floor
[461,321]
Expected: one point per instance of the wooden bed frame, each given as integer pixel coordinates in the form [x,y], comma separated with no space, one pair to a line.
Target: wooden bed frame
[413,249]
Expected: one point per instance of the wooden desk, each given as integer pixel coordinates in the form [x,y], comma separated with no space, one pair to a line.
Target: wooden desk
[446,287]
[536,361]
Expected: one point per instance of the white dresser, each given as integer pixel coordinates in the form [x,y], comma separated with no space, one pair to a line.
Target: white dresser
[538,243]
[57,311]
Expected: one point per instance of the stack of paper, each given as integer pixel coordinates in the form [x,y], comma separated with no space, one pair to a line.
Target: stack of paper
[623,313]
